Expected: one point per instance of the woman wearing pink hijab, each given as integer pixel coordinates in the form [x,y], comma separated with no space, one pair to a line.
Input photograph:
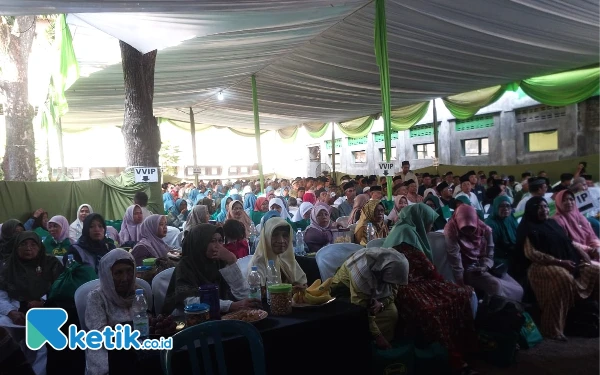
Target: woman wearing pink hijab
[577,227]
[131,227]
[151,245]
[400,201]
[58,242]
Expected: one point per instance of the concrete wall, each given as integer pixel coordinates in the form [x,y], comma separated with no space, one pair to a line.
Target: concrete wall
[577,125]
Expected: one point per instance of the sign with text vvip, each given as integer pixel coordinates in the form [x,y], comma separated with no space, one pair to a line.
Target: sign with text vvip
[146,174]
[386,168]
[587,200]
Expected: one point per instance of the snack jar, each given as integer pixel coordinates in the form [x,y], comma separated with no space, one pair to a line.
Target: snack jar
[281,299]
[196,313]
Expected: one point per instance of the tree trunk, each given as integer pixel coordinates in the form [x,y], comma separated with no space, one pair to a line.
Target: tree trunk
[140,129]
[19,155]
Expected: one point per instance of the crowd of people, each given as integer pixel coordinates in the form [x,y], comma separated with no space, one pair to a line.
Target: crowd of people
[534,232]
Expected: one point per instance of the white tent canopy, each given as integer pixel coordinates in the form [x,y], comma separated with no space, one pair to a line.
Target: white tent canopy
[315,61]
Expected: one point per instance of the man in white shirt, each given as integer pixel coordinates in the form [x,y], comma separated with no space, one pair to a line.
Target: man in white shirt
[406,174]
[538,186]
[345,207]
[466,190]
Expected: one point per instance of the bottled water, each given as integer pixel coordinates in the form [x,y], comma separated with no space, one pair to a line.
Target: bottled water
[300,243]
[255,283]
[70,260]
[139,309]
[370,232]
[272,278]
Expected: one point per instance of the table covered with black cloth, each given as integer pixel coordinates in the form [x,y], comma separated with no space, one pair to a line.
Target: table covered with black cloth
[332,339]
[310,268]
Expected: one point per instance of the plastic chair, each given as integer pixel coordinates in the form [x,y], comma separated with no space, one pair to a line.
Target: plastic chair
[214,330]
[160,284]
[378,242]
[82,293]
[331,257]
[343,220]
[171,237]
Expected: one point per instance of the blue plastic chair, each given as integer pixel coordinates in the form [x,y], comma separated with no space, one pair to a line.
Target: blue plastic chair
[214,330]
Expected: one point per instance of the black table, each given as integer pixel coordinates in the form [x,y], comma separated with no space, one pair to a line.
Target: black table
[310,268]
[333,339]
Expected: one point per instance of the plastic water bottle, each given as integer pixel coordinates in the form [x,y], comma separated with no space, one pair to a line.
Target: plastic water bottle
[70,260]
[255,283]
[272,278]
[300,243]
[370,232]
[140,313]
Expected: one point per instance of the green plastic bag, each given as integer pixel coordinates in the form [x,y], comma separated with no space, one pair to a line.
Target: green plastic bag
[62,292]
[530,335]
[400,360]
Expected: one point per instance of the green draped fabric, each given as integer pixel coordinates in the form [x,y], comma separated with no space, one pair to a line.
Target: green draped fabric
[316,130]
[288,135]
[66,71]
[405,117]
[357,128]
[464,106]
[109,196]
[250,133]
[563,88]
[381,53]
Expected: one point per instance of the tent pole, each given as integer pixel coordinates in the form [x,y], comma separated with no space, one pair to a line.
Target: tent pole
[59,133]
[381,53]
[193,131]
[436,152]
[333,149]
[257,133]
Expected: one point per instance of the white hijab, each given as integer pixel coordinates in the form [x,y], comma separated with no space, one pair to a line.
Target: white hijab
[285,263]
[107,285]
[304,208]
[284,212]
[77,225]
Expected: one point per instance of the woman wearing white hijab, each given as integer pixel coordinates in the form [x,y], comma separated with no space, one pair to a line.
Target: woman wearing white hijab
[303,212]
[278,205]
[77,226]
[276,244]
[110,303]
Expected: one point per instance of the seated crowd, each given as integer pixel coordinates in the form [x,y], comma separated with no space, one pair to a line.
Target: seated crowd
[549,251]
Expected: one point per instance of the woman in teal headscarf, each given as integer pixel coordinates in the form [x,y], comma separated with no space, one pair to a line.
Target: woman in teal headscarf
[178,213]
[504,230]
[436,309]
[434,202]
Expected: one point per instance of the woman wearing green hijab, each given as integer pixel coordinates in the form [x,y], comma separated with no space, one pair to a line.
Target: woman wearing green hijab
[504,230]
[439,310]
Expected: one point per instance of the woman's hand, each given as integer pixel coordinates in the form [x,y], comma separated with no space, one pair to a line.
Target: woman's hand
[382,343]
[17,317]
[34,304]
[226,255]
[594,253]
[38,212]
[246,304]
[566,264]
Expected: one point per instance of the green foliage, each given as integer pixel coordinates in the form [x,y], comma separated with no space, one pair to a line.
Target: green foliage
[169,158]
[41,168]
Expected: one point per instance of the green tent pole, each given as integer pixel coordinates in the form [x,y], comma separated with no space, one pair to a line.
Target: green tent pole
[436,152]
[257,133]
[381,54]
[193,131]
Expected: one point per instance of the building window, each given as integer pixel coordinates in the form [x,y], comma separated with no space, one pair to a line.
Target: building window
[357,141]
[475,147]
[358,156]
[338,159]
[338,144]
[314,153]
[232,171]
[378,137]
[542,141]
[474,123]
[539,113]
[392,152]
[424,130]
[425,151]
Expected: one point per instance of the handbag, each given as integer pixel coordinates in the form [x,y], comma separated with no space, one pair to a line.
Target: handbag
[530,336]
[500,314]
[62,292]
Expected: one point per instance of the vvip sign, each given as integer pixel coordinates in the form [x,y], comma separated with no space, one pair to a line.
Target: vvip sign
[146,174]
[386,169]
[587,201]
